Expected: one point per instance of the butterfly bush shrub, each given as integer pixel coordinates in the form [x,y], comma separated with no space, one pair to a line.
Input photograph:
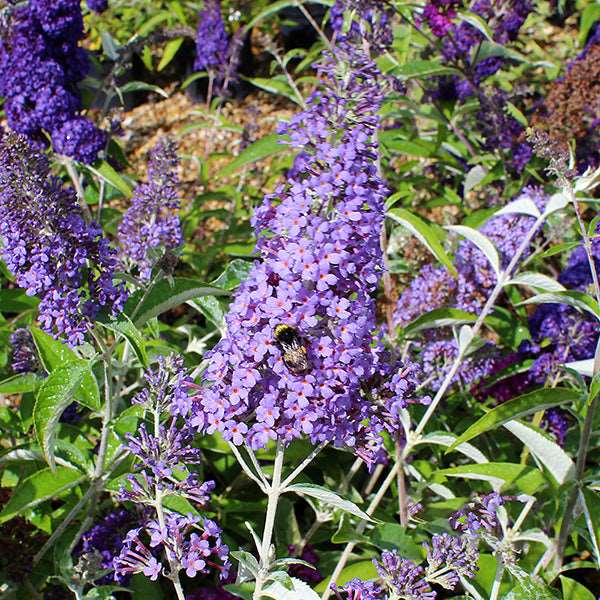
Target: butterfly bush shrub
[322,325]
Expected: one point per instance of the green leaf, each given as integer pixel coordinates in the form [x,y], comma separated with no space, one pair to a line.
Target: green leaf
[481,241]
[275,85]
[557,249]
[537,281]
[151,24]
[248,566]
[142,86]
[573,298]
[299,591]
[500,474]
[520,206]
[55,394]
[548,452]
[478,23]
[422,68]
[440,317]
[235,273]
[16,301]
[424,232]
[474,177]
[395,141]
[572,590]
[193,77]
[328,497]
[53,354]
[517,408]
[517,114]
[169,53]
[39,487]
[166,295]
[589,16]
[390,536]
[266,146]
[274,7]
[126,328]
[364,570]
[110,176]
[530,589]
[591,510]
[20,384]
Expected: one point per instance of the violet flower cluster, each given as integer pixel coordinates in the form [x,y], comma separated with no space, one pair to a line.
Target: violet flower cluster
[49,248]
[187,542]
[217,52]
[463,44]
[478,516]
[505,19]
[320,265]
[370,22]
[105,538]
[310,575]
[97,6]
[436,288]
[440,15]
[402,577]
[448,558]
[357,589]
[40,66]
[24,357]
[151,224]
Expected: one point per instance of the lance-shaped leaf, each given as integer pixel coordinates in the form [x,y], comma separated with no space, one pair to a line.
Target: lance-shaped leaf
[39,487]
[573,298]
[499,475]
[537,281]
[327,497]
[166,295]
[440,317]
[298,591]
[53,354]
[125,327]
[481,241]
[591,510]
[425,233]
[520,206]
[571,589]
[262,148]
[549,453]
[55,394]
[516,409]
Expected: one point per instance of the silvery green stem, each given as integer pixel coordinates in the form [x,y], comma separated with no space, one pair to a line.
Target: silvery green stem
[584,443]
[160,513]
[87,215]
[497,579]
[303,465]
[275,490]
[587,244]
[586,433]
[174,569]
[260,479]
[503,277]
[360,529]
[402,496]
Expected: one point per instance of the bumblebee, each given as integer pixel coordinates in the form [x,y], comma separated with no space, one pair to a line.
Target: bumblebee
[292,349]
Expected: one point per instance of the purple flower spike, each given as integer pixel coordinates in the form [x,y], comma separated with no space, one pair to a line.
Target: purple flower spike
[50,249]
[478,516]
[298,357]
[451,557]
[41,64]
[403,578]
[151,222]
